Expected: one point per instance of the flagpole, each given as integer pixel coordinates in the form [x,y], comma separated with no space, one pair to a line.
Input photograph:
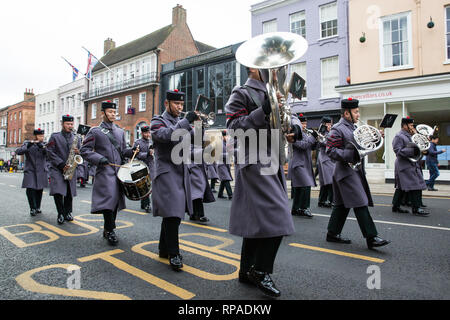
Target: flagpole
[77,68]
[98,59]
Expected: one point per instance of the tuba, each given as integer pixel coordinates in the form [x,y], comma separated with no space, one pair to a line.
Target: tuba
[73,160]
[368,139]
[271,53]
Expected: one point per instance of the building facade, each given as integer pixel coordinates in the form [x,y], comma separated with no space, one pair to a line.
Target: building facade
[323,23]
[46,113]
[400,64]
[70,102]
[21,121]
[131,78]
[4,133]
[213,74]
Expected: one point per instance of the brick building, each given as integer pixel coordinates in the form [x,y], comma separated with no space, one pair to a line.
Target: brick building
[21,120]
[132,77]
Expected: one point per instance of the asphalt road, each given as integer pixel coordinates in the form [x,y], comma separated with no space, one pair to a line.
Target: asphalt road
[38,257]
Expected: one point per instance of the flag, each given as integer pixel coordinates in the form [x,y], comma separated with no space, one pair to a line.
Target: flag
[74,70]
[92,61]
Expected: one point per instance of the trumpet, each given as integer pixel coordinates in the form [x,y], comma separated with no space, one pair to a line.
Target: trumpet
[207,119]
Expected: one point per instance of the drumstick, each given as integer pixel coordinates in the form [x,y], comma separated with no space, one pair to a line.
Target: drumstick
[134,155]
[114,165]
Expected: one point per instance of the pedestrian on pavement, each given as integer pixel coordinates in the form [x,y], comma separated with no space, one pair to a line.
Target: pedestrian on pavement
[432,162]
[2,163]
[350,187]
[35,172]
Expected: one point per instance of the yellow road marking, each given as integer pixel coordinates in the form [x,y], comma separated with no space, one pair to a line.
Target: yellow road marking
[336,252]
[204,227]
[137,212]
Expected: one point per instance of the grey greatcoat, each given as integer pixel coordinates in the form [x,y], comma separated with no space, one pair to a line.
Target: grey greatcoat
[83,171]
[300,166]
[350,187]
[35,171]
[58,149]
[171,192]
[145,155]
[211,171]
[106,193]
[260,207]
[325,164]
[224,169]
[408,175]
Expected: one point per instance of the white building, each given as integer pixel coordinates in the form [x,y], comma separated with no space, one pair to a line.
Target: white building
[70,102]
[46,114]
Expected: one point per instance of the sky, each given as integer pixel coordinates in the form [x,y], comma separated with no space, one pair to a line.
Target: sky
[35,34]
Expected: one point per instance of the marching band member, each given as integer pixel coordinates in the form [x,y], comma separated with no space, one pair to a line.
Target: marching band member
[171,192]
[105,147]
[224,170]
[35,171]
[211,172]
[146,155]
[408,174]
[326,168]
[350,187]
[58,150]
[260,208]
[301,171]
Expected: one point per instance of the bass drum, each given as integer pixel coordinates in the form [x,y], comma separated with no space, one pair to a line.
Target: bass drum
[135,180]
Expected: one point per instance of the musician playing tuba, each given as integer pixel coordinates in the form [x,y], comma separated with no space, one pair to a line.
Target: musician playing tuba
[59,148]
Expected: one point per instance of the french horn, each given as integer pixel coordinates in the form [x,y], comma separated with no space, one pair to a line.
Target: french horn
[368,139]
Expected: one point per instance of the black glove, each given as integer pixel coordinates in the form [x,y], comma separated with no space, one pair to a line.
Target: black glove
[191,116]
[135,148]
[103,162]
[297,132]
[267,108]
[61,166]
[29,144]
[414,147]
[314,134]
[351,153]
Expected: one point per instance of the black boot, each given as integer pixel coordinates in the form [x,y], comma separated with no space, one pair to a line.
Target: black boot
[69,217]
[337,238]
[376,242]
[305,213]
[420,212]
[60,219]
[148,209]
[176,262]
[243,278]
[38,211]
[33,212]
[399,210]
[264,282]
[111,237]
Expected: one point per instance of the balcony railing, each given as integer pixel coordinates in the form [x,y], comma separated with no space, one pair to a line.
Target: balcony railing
[148,78]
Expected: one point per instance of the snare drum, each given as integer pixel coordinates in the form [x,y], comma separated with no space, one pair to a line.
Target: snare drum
[135,180]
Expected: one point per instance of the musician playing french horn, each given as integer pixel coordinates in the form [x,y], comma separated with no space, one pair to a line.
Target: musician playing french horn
[35,171]
[105,147]
[350,187]
[408,175]
[59,148]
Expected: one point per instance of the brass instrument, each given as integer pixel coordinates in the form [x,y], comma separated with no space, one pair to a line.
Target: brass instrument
[368,139]
[207,119]
[73,160]
[271,53]
[420,139]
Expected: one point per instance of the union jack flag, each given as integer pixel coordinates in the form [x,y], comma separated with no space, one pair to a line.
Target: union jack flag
[92,61]
[74,70]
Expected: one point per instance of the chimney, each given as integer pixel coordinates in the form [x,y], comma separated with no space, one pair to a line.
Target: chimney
[178,15]
[108,45]
[28,94]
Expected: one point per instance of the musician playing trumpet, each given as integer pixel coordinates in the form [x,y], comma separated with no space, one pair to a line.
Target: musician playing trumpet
[35,171]
[58,151]
[105,147]
[350,187]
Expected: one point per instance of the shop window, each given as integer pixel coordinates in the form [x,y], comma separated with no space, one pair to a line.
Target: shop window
[377,156]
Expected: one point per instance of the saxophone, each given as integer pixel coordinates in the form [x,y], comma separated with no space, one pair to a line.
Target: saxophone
[73,160]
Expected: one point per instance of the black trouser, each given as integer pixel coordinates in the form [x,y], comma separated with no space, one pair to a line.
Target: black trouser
[34,198]
[145,202]
[213,183]
[168,239]
[302,198]
[197,206]
[110,220]
[225,185]
[326,193]
[259,252]
[64,204]
[339,215]
[414,196]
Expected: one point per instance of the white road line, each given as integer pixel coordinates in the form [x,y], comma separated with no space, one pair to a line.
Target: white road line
[395,223]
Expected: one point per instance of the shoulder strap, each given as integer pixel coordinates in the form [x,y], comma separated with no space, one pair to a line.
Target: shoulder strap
[113,140]
[253,95]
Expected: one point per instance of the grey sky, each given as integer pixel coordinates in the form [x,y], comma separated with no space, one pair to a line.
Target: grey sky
[35,34]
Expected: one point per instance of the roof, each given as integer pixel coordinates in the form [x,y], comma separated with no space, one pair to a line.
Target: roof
[134,48]
[202,47]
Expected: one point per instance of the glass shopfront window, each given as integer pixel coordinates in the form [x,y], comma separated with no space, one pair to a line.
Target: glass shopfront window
[221,80]
[377,156]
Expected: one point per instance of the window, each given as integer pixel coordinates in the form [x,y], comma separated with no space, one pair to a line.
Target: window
[116,101]
[52,128]
[447,15]
[53,106]
[94,111]
[15,137]
[132,70]
[183,82]
[62,105]
[328,20]
[142,101]
[128,103]
[15,116]
[222,79]
[127,136]
[78,100]
[300,69]
[270,26]
[40,108]
[395,35]
[330,77]
[298,23]
[20,135]
[20,115]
